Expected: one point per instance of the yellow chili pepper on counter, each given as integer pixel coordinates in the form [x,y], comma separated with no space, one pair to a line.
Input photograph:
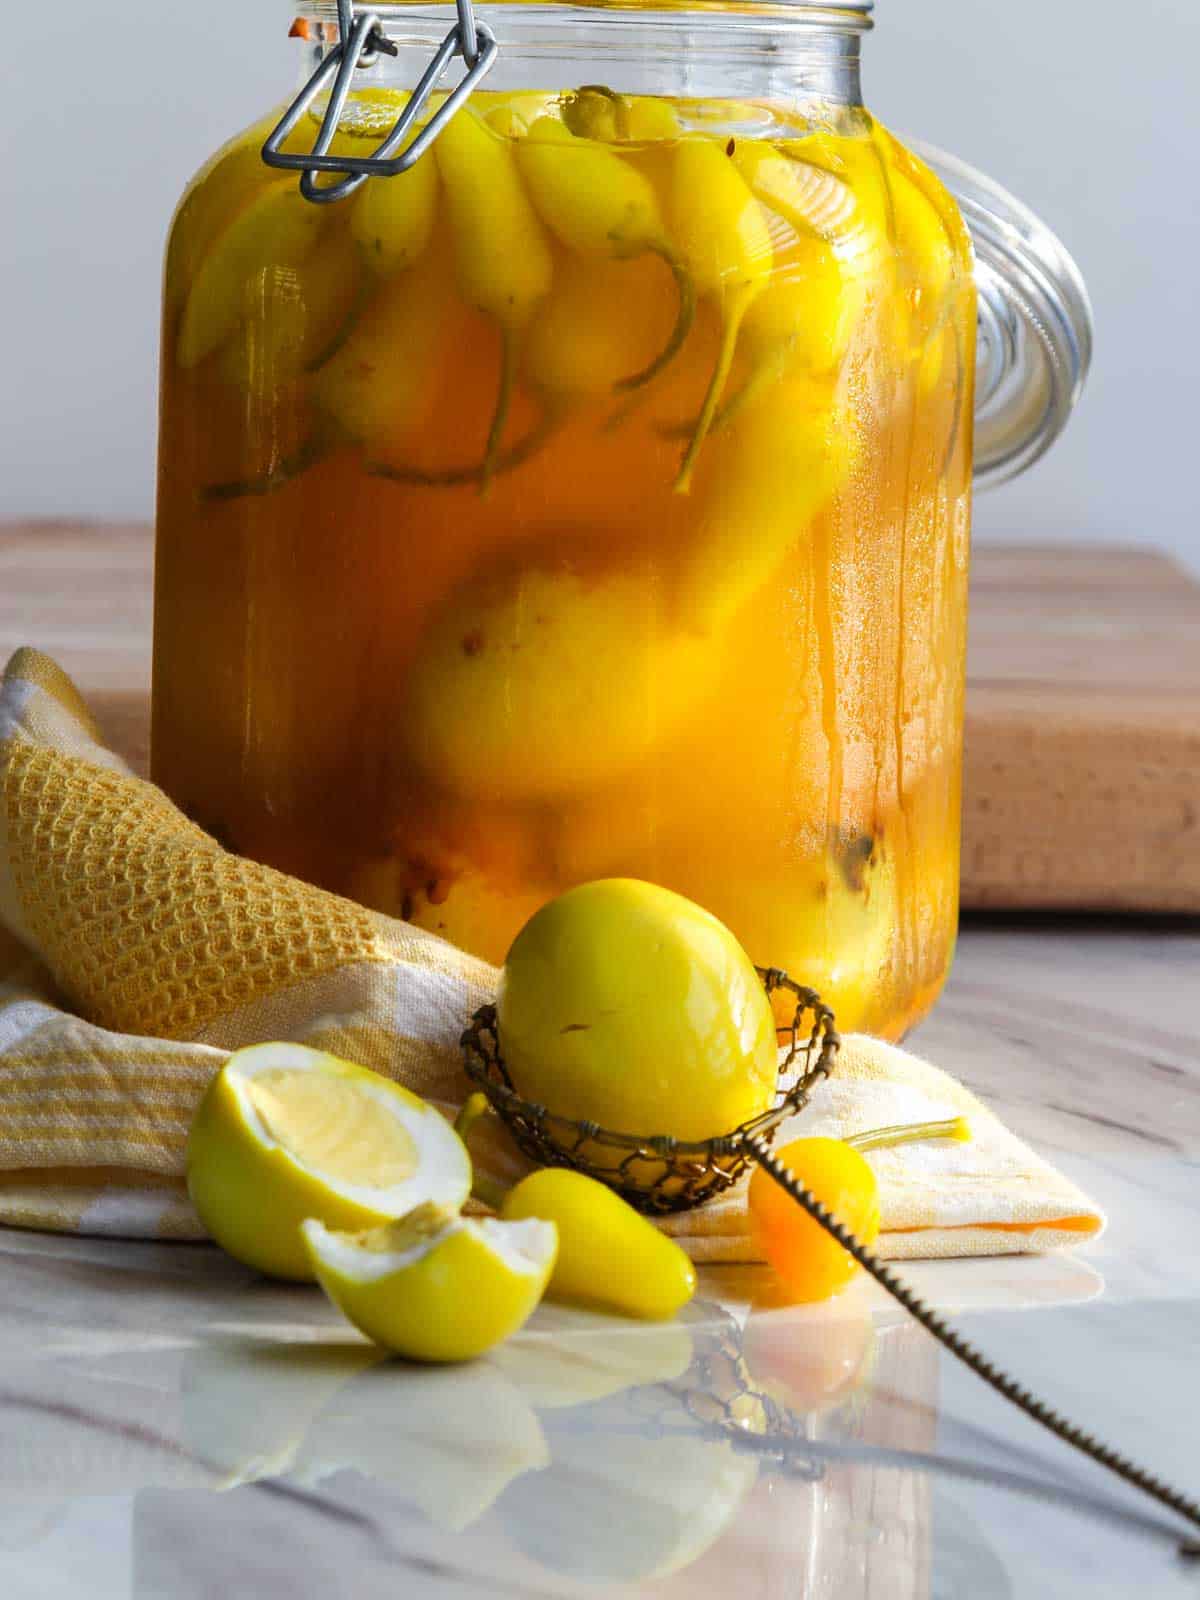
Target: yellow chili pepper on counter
[609,1255]
[810,1261]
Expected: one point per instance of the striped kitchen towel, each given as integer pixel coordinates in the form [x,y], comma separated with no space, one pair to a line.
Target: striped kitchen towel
[136,953]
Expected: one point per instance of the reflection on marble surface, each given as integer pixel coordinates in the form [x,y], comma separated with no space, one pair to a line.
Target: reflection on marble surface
[173,1427]
[213,1431]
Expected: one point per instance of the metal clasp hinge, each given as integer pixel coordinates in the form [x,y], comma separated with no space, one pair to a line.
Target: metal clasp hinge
[360,39]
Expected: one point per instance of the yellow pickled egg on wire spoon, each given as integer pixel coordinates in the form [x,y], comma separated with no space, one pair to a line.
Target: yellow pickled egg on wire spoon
[625,1004]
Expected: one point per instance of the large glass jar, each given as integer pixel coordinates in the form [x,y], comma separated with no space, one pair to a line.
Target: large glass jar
[592,498]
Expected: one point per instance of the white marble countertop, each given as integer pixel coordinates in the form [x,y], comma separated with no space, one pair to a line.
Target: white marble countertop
[172,1428]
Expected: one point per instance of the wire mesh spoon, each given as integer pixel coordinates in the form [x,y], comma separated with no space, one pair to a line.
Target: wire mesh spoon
[660,1175]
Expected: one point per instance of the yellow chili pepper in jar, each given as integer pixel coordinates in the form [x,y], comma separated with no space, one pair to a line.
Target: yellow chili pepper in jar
[722,233]
[600,207]
[502,256]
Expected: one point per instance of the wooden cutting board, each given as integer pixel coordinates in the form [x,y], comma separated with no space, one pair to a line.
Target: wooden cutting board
[1082,776]
[1082,781]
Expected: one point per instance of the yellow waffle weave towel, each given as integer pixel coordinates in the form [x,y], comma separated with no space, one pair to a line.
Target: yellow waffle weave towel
[138,953]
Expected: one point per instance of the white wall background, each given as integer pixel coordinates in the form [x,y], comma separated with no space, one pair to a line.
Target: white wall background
[1090,112]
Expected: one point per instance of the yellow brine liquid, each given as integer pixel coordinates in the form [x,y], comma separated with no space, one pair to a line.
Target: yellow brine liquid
[590,500]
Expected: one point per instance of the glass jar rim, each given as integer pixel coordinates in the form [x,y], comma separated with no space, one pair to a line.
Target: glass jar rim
[851,16]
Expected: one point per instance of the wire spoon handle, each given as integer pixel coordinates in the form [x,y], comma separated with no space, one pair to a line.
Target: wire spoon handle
[1069,1432]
